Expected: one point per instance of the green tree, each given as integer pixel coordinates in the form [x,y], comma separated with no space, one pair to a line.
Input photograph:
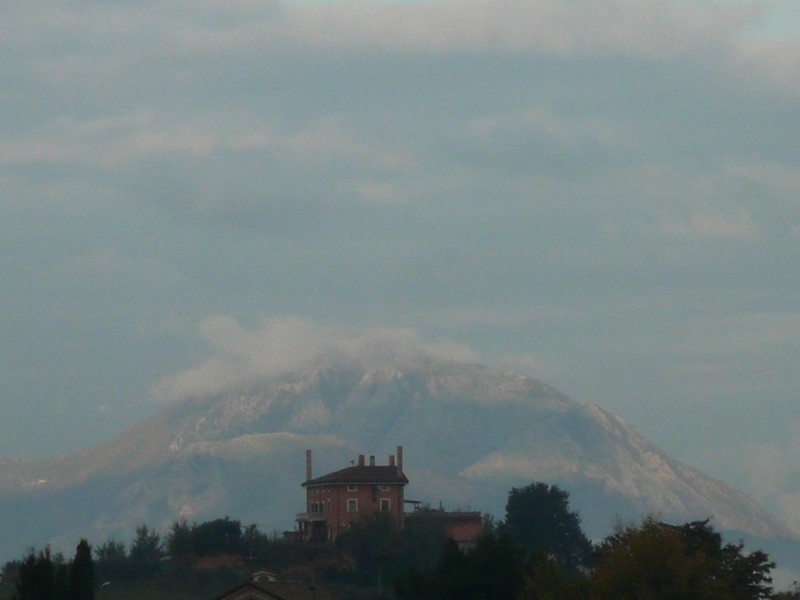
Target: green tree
[745,575]
[490,571]
[111,560]
[538,518]
[496,568]
[81,573]
[220,536]
[546,580]
[650,562]
[179,540]
[110,551]
[659,561]
[370,542]
[146,551]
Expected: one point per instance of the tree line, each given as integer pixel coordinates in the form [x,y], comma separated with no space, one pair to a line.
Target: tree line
[537,552]
[43,576]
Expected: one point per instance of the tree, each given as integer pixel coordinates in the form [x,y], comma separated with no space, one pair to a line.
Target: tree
[370,541]
[220,536]
[659,561]
[539,520]
[490,571]
[110,560]
[179,540]
[745,575]
[36,576]
[61,582]
[110,551]
[648,562]
[546,580]
[81,573]
[146,551]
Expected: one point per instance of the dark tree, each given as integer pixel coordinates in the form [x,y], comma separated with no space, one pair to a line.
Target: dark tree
[146,551]
[36,576]
[220,536]
[496,568]
[746,576]
[546,580]
[111,560]
[81,573]
[490,571]
[370,542]
[61,582]
[110,551]
[179,540]
[538,518]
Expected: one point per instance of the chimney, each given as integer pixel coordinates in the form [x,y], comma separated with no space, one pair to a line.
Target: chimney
[391,460]
[399,459]
[371,460]
[360,460]
[308,465]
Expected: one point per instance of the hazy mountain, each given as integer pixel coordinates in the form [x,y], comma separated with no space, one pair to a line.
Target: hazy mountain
[469,434]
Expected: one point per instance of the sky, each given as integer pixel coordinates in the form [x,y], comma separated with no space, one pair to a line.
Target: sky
[602,195]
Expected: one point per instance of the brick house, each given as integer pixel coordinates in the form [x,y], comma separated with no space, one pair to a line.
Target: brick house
[336,500]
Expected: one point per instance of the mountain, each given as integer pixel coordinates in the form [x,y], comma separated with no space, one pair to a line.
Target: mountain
[469,433]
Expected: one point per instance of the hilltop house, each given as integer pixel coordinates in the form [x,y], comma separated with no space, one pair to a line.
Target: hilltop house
[336,500]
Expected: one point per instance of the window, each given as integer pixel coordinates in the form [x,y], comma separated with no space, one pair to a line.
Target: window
[386,505]
[384,487]
[352,487]
[352,505]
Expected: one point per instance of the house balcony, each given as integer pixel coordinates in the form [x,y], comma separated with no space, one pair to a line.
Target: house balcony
[311,517]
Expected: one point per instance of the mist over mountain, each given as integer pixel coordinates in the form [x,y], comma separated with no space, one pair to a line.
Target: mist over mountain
[469,433]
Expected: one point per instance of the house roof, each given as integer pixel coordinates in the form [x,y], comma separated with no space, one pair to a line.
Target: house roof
[276,590]
[362,475]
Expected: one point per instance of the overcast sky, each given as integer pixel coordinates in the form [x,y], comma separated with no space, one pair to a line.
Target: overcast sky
[602,195]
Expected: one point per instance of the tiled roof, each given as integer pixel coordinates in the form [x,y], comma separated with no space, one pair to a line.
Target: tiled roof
[362,475]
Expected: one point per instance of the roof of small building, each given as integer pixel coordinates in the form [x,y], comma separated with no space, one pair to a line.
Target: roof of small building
[276,590]
[362,475]
[447,515]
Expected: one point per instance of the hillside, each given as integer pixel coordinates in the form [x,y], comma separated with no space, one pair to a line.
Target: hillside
[470,433]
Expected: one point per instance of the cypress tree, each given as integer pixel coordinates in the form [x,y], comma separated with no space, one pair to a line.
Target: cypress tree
[81,573]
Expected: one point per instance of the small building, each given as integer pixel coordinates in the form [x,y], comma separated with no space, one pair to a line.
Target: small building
[276,590]
[463,527]
[336,500]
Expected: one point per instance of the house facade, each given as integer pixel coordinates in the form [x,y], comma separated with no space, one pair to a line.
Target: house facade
[336,500]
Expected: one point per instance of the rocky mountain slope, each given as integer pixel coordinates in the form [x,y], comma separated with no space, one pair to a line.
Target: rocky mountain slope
[469,432]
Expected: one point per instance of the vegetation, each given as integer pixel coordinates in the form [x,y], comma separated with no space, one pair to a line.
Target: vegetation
[655,560]
[44,576]
[539,521]
[538,552]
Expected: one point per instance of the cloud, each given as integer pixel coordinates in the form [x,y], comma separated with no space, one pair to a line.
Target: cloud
[737,225]
[286,345]
[773,59]
[613,27]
